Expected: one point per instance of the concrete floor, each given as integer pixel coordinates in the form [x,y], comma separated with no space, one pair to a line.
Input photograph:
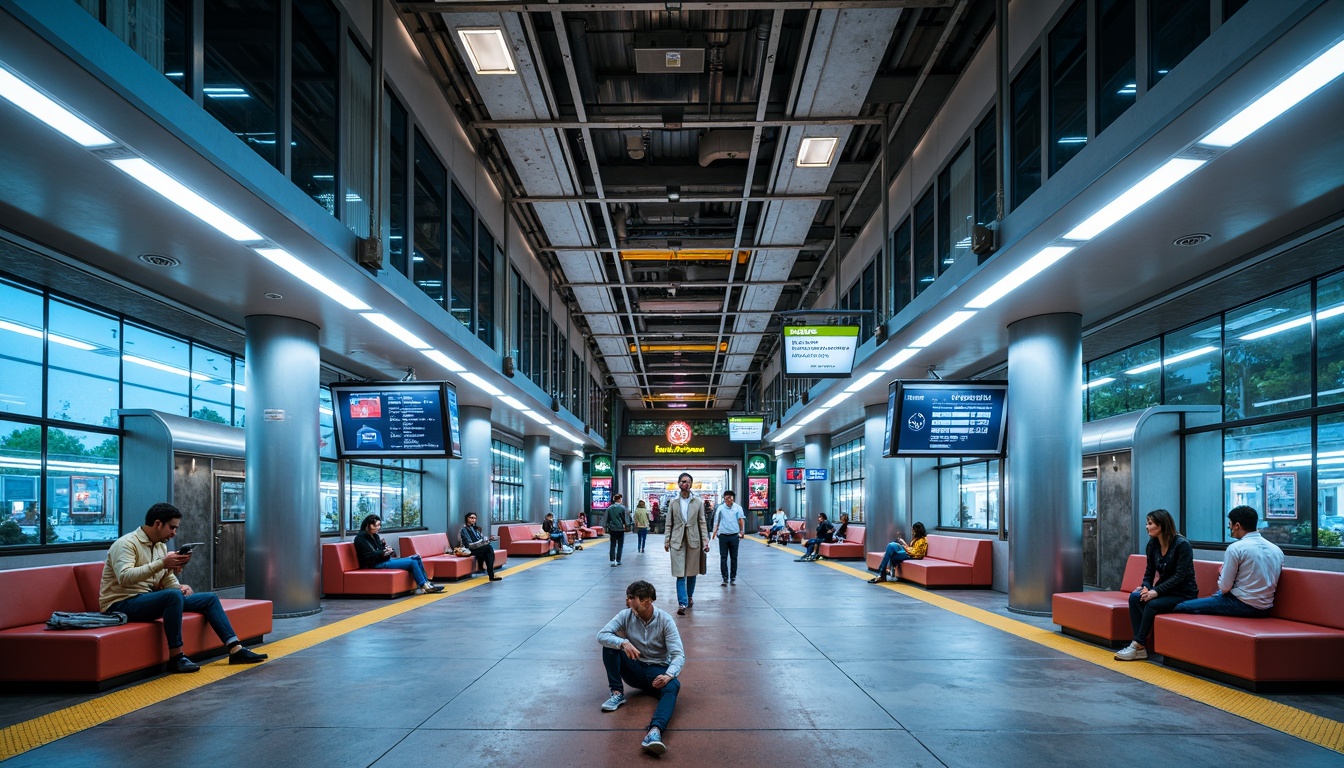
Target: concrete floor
[796,665]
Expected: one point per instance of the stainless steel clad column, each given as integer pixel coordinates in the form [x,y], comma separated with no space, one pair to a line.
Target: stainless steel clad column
[574,485]
[884,480]
[1045,460]
[283,554]
[785,496]
[469,478]
[817,455]
[536,477]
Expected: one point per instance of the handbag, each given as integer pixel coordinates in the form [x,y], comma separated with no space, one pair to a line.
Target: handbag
[462,552]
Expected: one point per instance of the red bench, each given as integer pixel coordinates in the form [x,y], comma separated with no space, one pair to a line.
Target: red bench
[341,574]
[851,548]
[952,561]
[102,657]
[439,562]
[1300,644]
[1102,616]
[520,540]
[794,531]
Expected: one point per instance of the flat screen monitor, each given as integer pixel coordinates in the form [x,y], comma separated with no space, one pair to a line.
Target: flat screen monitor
[949,418]
[889,445]
[746,429]
[819,351]
[793,475]
[397,420]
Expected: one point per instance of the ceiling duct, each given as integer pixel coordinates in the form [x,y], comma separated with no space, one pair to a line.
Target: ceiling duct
[668,213]
[725,145]
[669,54]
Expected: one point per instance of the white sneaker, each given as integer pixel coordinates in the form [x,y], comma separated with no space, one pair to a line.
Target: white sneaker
[1132,652]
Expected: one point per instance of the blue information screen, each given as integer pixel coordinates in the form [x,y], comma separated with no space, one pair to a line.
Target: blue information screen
[392,420]
[950,418]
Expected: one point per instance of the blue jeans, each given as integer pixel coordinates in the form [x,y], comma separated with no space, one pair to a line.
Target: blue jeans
[643,534]
[168,604]
[685,589]
[728,543]
[812,546]
[617,544]
[1221,604]
[774,529]
[640,675]
[411,564]
[895,554]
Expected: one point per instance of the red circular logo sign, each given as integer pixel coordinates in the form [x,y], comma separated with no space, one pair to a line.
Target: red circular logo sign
[678,433]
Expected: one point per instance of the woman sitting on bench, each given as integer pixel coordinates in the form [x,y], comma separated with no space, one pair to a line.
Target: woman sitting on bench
[901,550]
[373,552]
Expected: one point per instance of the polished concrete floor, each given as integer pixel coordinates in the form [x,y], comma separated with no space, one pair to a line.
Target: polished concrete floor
[798,664]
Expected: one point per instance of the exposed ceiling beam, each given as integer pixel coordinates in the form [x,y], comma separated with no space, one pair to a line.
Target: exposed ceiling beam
[513,6]
[658,123]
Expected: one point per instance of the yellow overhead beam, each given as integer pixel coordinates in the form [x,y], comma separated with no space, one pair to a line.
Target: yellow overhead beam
[705,254]
[721,347]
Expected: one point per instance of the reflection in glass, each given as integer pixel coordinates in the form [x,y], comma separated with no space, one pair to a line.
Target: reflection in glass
[1250,454]
[20,484]
[1128,380]
[357,165]
[506,483]
[82,474]
[240,71]
[1330,340]
[1192,371]
[1068,87]
[211,385]
[156,371]
[82,365]
[429,265]
[1025,130]
[316,32]
[485,285]
[398,158]
[1117,87]
[1175,28]
[239,392]
[329,499]
[463,246]
[232,501]
[1267,356]
[926,269]
[1329,481]
[20,350]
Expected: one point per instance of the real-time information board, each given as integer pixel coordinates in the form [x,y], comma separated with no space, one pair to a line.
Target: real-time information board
[393,420]
[949,418]
[746,429]
[819,351]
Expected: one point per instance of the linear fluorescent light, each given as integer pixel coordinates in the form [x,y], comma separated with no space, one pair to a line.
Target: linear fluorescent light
[838,399]
[1279,99]
[442,359]
[1171,360]
[156,365]
[811,417]
[564,434]
[39,105]
[817,151]
[786,433]
[897,359]
[868,378]
[1324,314]
[942,329]
[482,384]
[1099,382]
[53,338]
[487,50]
[513,402]
[395,330]
[172,189]
[291,264]
[1029,269]
[1132,199]
[533,415]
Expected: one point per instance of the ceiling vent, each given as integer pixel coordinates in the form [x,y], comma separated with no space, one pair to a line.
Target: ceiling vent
[668,55]
[1189,241]
[159,260]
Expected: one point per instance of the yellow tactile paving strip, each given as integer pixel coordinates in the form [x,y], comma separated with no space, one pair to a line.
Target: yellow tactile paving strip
[31,734]
[1318,730]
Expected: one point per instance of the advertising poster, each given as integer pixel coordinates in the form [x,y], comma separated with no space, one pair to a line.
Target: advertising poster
[758,493]
[601,492]
[1280,495]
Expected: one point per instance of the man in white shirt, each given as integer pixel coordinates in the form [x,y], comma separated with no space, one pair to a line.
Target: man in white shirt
[730,522]
[1250,574]
[777,526]
[641,646]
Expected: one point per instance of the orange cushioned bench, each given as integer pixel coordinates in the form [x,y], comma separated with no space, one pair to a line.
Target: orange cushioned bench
[1102,616]
[849,549]
[341,574]
[952,561]
[794,531]
[519,540]
[439,563]
[1300,644]
[101,657]
[591,532]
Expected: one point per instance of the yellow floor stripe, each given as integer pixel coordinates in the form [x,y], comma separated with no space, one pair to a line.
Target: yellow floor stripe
[31,734]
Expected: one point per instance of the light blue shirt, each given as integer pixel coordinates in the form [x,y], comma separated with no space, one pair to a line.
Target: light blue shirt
[657,640]
[1251,568]
[726,519]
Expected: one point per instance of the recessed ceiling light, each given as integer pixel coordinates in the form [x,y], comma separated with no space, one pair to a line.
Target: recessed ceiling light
[487,50]
[817,151]
[272,295]
[1189,241]
[159,260]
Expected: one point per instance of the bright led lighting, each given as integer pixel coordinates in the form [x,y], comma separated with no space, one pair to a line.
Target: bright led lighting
[786,433]
[482,384]
[1133,198]
[140,170]
[897,359]
[156,365]
[513,402]
[868,378]
[487,50]
[1099,382]
[817,151]
[564,434]
[37,104]
[237,387]
[291,264]
[838,399]
[1029,269]
[533,415]
[393,329]
[942,329]
[53,338]
[811,417]
[442,359]
[1280,98]
[1171,360]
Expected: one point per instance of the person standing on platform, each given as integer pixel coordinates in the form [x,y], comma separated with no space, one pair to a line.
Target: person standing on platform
[1168,580]
[479,544]
[618,522]
[687,540]
[140,580]
[1250,575]
[641,646]
[730,522]
[373,552]
[642,523]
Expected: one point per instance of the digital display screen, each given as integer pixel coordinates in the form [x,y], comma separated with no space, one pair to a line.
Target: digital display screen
[746,429]
[601,492]
[793,475]
[950,418]
[394,420]
[819,351]
[888,445]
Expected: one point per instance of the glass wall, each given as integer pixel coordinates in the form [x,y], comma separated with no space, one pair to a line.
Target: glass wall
[389,488]
[968,495]
[847,481]
[506,483]
[557,489]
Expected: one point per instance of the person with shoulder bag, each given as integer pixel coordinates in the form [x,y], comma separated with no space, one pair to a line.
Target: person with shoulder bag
[478,544]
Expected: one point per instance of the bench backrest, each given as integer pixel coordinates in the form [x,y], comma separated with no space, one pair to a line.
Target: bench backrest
[341,555]
[424,545]
[1206,576]
[942,547]
[1134,568]
[856,534]
[1312,597]
[31,595]
[569,526]
[89,578]
[798,526]
[520,532]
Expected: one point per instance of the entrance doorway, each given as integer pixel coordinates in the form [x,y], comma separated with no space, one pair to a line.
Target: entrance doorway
[656,485]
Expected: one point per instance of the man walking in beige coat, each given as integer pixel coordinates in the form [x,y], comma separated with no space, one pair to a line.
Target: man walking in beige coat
[687,540]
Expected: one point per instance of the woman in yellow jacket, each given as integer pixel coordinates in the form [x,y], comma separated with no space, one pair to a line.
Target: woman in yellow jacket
[900,550]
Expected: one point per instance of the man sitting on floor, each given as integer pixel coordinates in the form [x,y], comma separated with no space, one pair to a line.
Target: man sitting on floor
[140,580]
[641,646]
[1250,574]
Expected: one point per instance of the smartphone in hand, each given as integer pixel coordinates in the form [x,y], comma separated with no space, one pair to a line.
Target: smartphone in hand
[185,549]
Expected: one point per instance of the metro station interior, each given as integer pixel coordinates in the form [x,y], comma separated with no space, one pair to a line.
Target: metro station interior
[220,217]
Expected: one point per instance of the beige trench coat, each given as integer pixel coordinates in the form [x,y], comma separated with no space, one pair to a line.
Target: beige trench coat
[686,537]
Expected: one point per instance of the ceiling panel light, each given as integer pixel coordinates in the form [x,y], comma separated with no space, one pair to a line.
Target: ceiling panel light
[942,329]
[564,434]
[442,359]
[513,402]
[1133,198]
[37,104]
[817,151]
[838,399]
[291,264]
[172,189]
[533,415]
[785,434]
[811,417]
[482,384]
[488,51]
[868,378]
[1029,269]
[156,365]
[897,359]
[393,329]
[1280,98]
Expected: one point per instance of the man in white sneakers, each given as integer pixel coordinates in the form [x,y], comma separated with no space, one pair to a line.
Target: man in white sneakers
[641,646]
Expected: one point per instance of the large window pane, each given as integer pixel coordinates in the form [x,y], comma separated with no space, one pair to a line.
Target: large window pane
[357,121]
[926,269]
[1192,368]
[82,493]
[1175,28]
[20,351]
[1128,380]
[1268,467]
[902,269]
[317,31]
[397,163]
[1329,481]
[83,365]
[326,425]
[155,371]
[506,483]
[1025,96]
[1330,340]
[463,258]
[986,171]
[329,499]
[957,204]
[1117,87]
[485,285]
[364,486]
[240,71]
[1068,87]
[211,385]
[240,390]
[430,258]
[20,484]
[1267,356]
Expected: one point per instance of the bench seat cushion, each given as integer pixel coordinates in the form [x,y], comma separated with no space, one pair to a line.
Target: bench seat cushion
[1263,650]
[518,541]
[1101,615]
[932,572]
[80,655]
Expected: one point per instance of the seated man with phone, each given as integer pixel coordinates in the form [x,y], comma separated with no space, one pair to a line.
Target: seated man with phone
[140,580]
